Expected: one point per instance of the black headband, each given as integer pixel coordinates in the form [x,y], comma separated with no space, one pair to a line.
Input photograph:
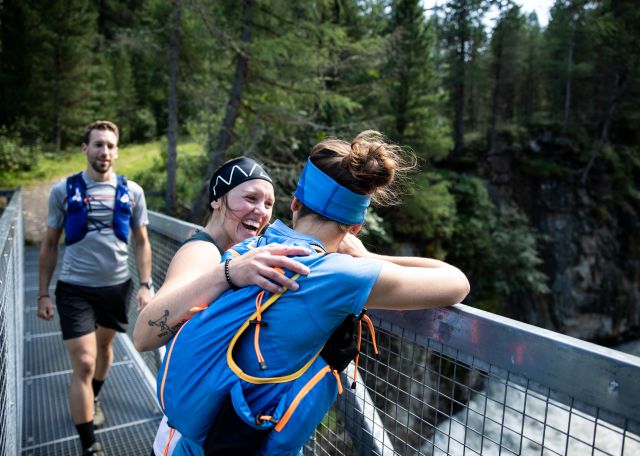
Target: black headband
[233,173]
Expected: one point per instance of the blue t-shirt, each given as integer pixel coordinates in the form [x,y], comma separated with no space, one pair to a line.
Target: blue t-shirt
[299,324]
[301,321]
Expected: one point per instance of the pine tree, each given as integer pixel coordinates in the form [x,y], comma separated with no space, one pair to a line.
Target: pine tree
[172,130]
[506,68]
[461,18]
[567,60]
[126,102]
[414,88]
[60,67]
[530,96]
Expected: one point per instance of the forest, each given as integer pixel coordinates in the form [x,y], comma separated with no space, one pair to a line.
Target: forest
[527,138]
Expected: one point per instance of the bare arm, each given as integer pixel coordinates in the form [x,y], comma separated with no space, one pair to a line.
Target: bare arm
[409,283]
[410,287]
[195,278]
[47,264]
[143,262]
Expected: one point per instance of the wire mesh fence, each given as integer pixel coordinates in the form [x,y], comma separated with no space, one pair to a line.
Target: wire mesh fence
[436,401]
[11,321]
[459,381]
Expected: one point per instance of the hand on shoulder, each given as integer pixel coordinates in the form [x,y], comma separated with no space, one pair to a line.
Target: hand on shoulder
[258,267]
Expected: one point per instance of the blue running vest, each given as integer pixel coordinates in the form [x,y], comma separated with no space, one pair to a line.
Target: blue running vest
[76,217]
[211,359]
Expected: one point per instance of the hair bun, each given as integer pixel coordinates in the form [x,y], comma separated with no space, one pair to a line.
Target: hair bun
[369,165]
[372,160]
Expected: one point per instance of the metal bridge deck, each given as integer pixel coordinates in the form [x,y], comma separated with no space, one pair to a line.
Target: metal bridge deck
[128,396]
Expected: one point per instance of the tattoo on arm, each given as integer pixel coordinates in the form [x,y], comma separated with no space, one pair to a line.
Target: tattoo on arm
[164,327]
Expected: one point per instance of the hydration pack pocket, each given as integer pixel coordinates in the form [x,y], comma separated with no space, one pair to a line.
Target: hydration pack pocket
[75,219]
[231,435]
[122,210]
[277,430]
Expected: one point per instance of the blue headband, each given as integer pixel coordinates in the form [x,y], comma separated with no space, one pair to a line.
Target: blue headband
[322,194]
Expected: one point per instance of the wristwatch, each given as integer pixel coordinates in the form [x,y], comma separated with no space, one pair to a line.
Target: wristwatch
[147,284]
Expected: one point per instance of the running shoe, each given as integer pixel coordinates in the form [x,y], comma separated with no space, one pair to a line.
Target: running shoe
[94,450]
[98,414]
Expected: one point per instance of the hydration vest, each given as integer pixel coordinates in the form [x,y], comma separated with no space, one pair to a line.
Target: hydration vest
[208,397]
[76,219]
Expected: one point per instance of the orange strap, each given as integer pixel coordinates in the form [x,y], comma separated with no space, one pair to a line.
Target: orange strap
[258,323]
[261,418]
[166,366]
[373,340]
[373,333]
[256,334]
[301,394]
[337,376]
[197,309]
[318,249]
[166,447]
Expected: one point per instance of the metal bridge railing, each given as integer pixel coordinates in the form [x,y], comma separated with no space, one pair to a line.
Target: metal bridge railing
[460,381]
[11,321]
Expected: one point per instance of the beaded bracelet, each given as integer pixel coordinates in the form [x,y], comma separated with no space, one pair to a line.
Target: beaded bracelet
[227,275]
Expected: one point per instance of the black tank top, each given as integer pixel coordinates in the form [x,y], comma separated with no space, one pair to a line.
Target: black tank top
[203,236]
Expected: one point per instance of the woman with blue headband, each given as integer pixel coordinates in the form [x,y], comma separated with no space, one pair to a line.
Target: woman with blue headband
[245,375]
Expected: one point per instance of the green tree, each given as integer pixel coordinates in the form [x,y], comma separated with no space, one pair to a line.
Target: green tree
[530,93]
[613,27]
[16,38]
[461,18]
[506,68]
[517,267]
[125,99]
[568,61]
[414,88]
[62,72]
[172,130]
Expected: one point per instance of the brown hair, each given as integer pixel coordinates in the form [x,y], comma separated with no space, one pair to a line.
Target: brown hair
[209,210]
[99,125]
[369,165]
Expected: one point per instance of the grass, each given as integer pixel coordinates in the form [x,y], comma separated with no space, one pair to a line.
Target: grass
[131,160]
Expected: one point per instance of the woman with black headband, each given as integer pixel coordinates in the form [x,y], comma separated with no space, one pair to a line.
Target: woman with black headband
[241,201]
[263,388]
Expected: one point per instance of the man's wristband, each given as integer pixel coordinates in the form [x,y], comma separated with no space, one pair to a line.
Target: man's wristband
[43,296]
[227,275]
[147,284]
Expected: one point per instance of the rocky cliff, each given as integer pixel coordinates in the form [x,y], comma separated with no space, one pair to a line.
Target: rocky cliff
[589,230]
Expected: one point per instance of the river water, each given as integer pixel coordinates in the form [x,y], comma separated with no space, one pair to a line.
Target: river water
[529,424]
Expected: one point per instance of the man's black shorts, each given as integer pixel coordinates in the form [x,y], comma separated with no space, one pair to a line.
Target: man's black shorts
[82,308]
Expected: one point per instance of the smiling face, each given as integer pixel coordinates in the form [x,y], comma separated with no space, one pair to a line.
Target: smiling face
[243,212]
[101,152]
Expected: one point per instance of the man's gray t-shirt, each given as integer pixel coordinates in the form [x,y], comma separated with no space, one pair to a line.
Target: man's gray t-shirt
[100,258]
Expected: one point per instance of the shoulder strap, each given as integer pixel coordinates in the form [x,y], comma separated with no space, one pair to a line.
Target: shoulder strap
[318,249]
[203,236]
[75,219]
[262,380]
[122,209]
[74,182]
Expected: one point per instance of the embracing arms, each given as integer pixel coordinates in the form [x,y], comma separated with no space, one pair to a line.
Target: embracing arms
[195,278]
[410,283]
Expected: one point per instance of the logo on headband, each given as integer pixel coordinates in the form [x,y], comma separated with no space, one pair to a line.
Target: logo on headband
[238,170]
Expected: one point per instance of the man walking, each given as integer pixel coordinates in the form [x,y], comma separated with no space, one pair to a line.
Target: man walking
[97,210]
